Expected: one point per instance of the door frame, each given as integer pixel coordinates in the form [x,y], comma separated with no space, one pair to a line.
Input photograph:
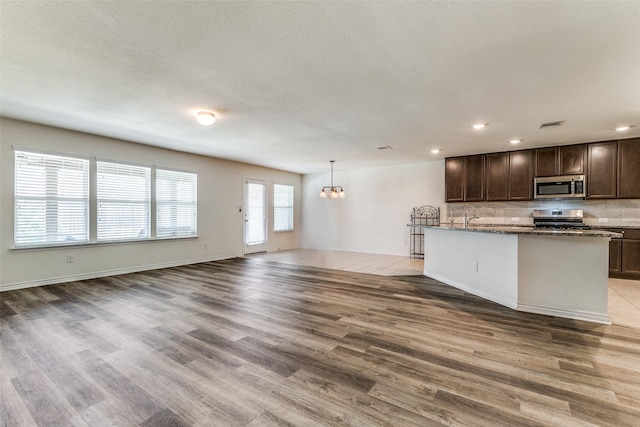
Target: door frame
[261,247]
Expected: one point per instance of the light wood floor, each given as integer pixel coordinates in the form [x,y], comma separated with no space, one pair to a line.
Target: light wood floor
[245,342]
[624,295]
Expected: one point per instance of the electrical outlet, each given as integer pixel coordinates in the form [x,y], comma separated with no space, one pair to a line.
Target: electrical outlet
[206,246]
[603,219]
[475,266]
[70,259]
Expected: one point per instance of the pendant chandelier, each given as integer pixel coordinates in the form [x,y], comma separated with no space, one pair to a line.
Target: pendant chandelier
[333,191]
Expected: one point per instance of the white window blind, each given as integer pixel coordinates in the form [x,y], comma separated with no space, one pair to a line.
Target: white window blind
[123,201]
[282,207]
[176,203]
[51,200]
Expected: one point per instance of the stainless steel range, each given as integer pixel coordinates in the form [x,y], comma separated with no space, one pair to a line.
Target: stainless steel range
[559,218]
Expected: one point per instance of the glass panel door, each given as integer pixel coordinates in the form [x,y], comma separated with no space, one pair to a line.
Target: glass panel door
[255,216]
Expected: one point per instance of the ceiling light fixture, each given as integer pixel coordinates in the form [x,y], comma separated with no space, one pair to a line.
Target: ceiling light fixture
[333,191]
[515,141]
[622,128]
[435,151]
[479,125]
[205,118]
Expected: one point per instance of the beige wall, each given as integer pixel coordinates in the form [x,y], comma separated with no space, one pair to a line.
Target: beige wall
[374,215]
[220,186]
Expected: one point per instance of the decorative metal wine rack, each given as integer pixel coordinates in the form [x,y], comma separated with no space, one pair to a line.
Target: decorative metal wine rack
[424,215]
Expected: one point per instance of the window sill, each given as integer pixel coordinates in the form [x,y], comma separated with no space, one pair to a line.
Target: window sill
[95,244]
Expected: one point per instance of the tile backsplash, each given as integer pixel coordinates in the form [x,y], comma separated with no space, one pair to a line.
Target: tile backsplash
[616,212]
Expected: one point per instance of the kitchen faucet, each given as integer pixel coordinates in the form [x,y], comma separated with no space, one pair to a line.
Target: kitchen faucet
[466,219]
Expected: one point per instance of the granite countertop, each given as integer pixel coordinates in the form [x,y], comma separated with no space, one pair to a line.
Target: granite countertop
[530,230]
[618,227]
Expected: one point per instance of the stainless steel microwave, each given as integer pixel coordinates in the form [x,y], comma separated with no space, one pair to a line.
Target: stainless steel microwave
[560,187]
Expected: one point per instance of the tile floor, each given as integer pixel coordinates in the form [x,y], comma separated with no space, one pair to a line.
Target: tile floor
[624,302]
[357,262]
[624,295]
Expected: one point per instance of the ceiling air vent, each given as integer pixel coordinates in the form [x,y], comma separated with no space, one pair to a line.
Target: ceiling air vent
[551,124]
[385,147]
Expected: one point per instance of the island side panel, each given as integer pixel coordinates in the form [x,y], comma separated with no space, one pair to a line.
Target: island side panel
[449,256]
[564,276]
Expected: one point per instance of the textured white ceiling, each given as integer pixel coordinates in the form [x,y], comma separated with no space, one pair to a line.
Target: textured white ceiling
[296,84]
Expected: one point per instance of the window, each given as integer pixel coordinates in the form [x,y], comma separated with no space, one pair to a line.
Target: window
[123,201]
[282,207]
[176,203]
[51,200]
[53,206]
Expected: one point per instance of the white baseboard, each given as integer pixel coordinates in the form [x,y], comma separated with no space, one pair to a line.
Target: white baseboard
[567,314]
[105,273]
[472,290]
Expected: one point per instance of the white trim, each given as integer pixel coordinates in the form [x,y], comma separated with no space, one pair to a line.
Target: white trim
[123,162]
[48,152]
[472,290]
[105,273]
[172,169]
[567,314]
[100,243]
[267,222]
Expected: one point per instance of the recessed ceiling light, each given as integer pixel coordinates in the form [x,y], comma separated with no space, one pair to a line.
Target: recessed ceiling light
[515,141]
[206,118]
[479,125]
[622,128]
[436,151]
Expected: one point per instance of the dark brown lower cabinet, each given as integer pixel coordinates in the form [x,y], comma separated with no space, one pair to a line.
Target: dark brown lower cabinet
[631,257]
[624,255]
[615,257]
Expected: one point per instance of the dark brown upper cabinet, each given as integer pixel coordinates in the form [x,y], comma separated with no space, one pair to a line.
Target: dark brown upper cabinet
[454,179]
[464,178]
[572,159]
[497,176]
[521,175]
[565,160]
[547,161]
[612,170]
[602,179]
[474,178]
[629,168]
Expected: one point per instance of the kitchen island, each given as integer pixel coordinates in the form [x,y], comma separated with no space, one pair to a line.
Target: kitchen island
[560,273]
